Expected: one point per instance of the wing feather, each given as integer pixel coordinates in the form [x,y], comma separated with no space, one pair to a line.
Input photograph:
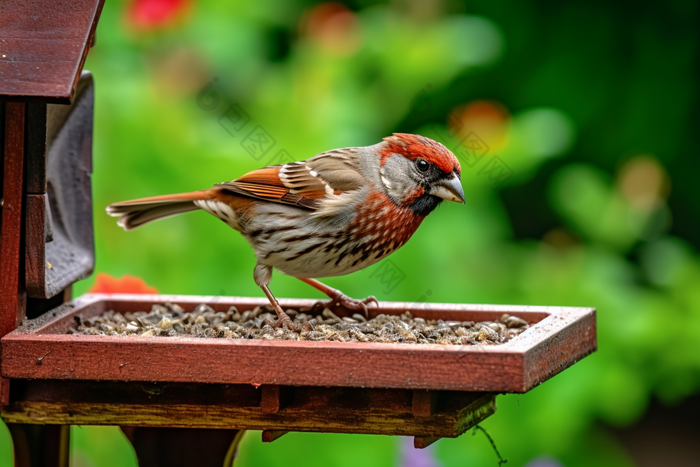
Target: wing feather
[265,184]
[304,183]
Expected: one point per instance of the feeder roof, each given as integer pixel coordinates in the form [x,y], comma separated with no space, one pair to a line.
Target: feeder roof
[43,45]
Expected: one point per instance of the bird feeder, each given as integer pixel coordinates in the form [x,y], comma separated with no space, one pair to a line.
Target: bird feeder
[208,391]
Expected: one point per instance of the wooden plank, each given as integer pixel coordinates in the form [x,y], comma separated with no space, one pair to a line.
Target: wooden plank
[501,368]
[2,155]
[4,383]
[315,409]
[187,416]
[12,296]
[35,244]
[238,362]
[44,47]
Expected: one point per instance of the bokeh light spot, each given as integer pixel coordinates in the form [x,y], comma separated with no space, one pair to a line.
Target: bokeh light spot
[154,14]
[545,132]
[479,40]
[487,119]
[334,26]
[644,183]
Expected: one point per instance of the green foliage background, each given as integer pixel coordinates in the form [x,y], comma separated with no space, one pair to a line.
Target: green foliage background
[587,87]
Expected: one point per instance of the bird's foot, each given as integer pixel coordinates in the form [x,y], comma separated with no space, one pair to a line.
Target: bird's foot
[283,321]
[338,298]
[346,302]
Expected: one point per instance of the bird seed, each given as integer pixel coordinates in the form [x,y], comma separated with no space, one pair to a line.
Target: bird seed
[170,320]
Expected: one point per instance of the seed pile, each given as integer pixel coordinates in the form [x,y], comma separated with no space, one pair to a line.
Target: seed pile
[171,320]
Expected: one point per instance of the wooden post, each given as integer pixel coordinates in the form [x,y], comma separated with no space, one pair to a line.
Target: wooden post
[40,445]
[184,447]
[270,399]
[12,295]
[423,403]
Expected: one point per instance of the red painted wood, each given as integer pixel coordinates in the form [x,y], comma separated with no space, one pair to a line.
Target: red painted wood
[270,399]
[423,403]
[12,296]
[44,47]
[561,337]
[35,228]
[547,357]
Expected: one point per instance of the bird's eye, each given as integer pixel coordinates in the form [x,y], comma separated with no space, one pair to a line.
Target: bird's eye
[422,165]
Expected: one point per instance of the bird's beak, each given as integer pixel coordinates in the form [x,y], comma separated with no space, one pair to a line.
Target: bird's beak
[449,189]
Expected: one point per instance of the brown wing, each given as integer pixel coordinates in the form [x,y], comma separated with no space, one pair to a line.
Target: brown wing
[266,184]
[304,183]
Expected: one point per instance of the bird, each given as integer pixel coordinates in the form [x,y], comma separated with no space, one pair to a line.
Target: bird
[330,215]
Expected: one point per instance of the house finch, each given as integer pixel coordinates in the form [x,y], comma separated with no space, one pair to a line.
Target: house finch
[333,214]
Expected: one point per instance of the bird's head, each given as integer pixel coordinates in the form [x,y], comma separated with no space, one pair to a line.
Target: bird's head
[419,173]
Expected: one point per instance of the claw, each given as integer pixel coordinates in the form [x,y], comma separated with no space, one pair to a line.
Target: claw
[283,318]
[338,298]
[367,301]
[346,302]
[284,322]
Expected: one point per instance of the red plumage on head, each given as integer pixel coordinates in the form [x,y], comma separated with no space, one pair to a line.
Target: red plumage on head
[416,146]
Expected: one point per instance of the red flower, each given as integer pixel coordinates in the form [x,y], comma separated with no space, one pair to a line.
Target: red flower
[104,283]
[153,14]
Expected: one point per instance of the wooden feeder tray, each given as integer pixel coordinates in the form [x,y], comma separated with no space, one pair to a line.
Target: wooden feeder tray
[425,390]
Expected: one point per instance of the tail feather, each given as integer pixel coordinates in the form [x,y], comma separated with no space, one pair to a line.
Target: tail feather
[135,213]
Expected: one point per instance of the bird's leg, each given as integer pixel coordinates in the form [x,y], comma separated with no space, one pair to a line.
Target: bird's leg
[339,298]
[283,318]
[262,276]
